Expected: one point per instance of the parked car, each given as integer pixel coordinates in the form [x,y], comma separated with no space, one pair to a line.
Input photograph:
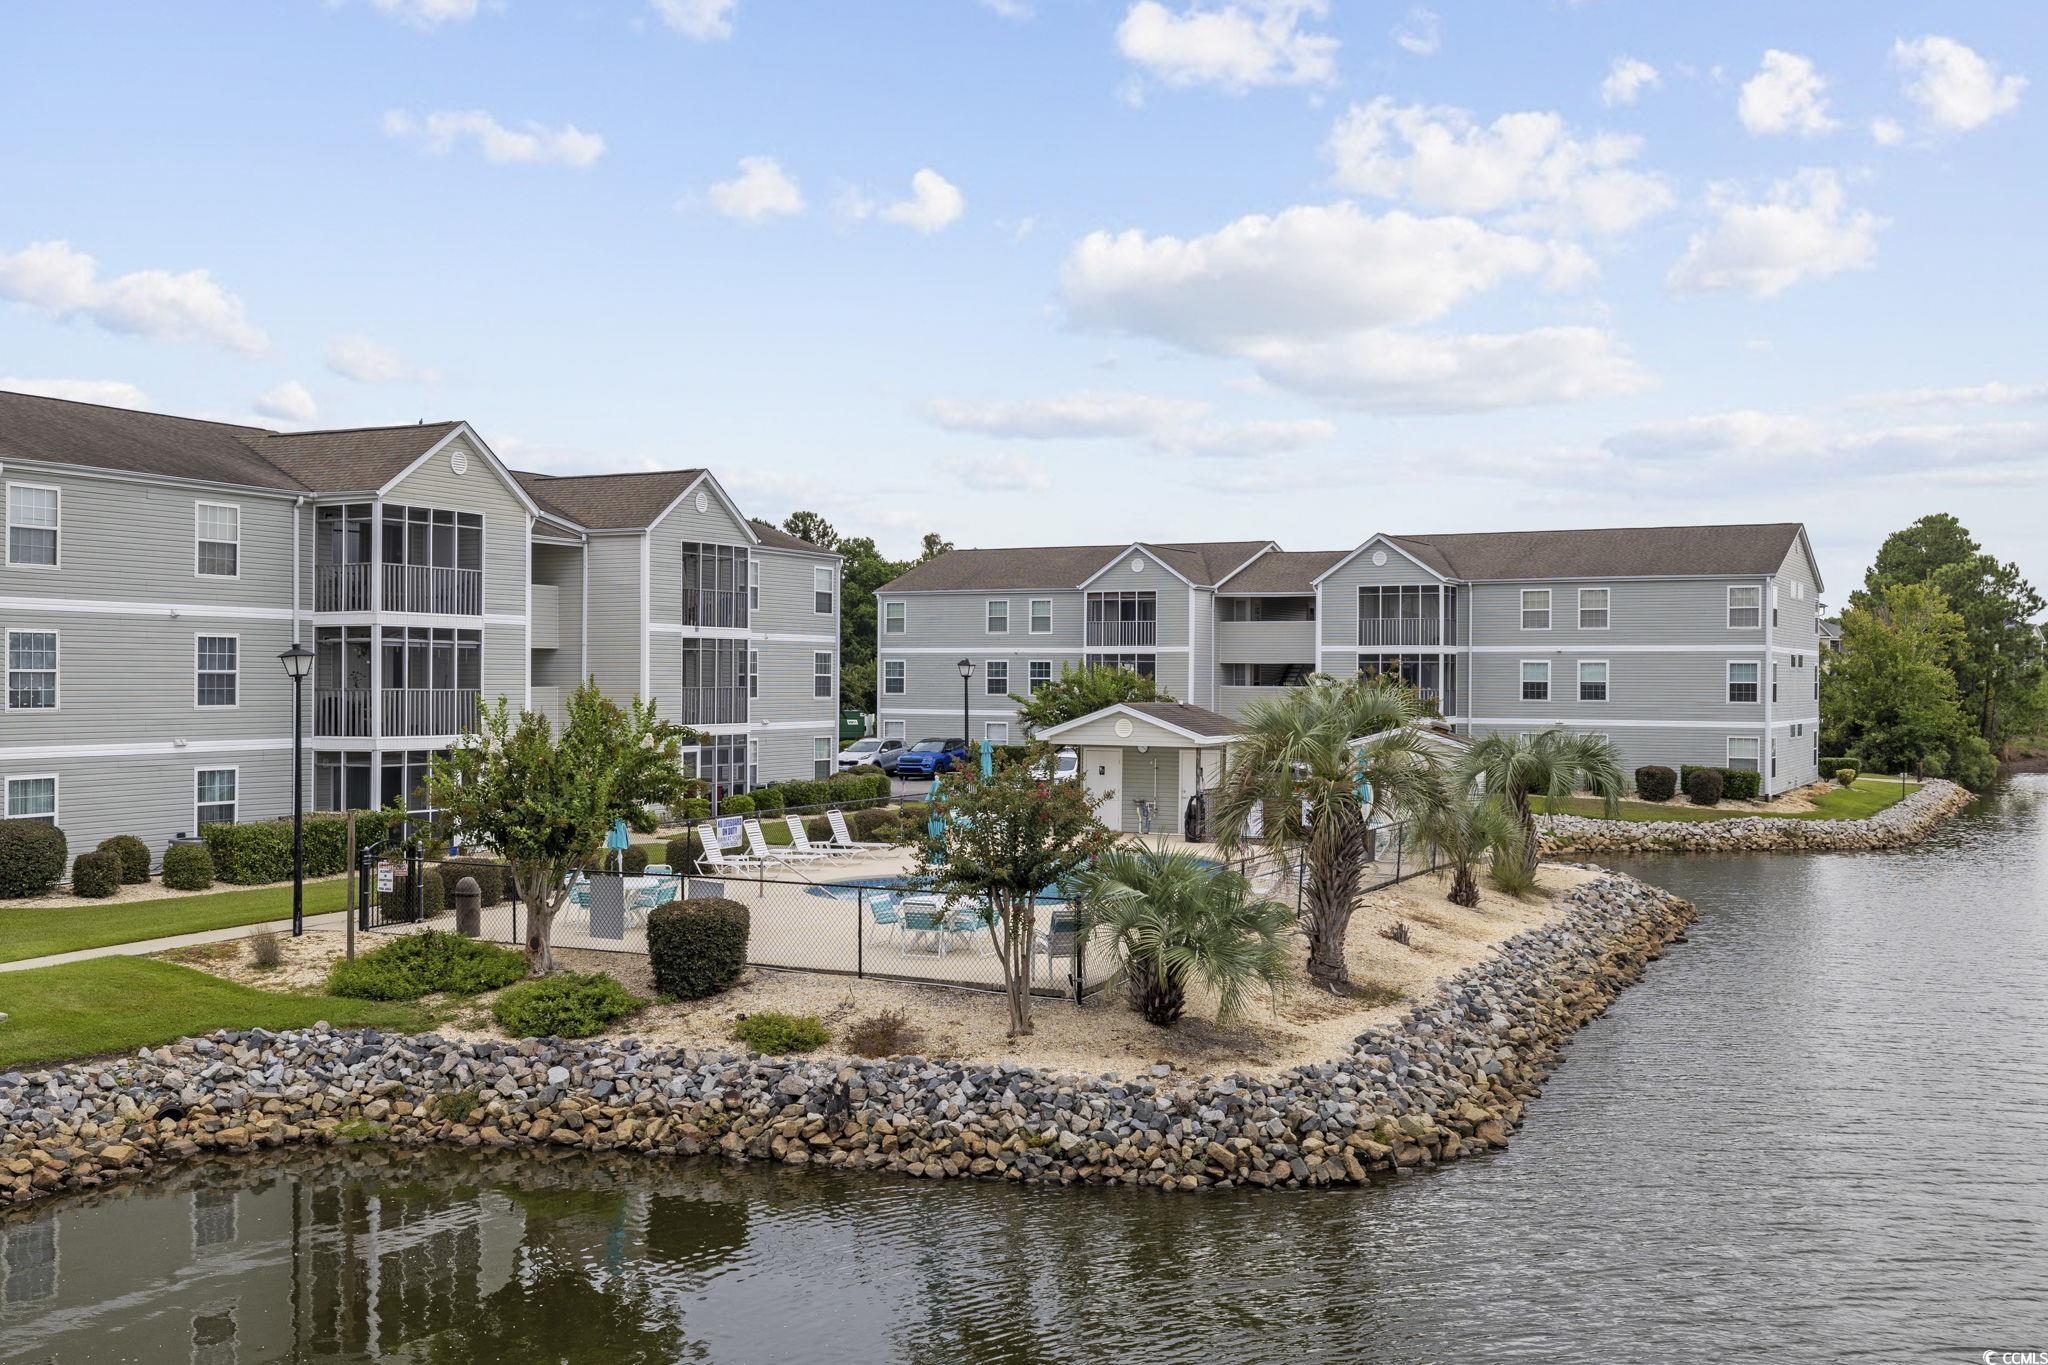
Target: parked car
[1064,766]
[869,750]
[891,759]
[929,756]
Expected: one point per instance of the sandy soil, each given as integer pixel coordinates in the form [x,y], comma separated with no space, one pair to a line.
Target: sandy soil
[1305,1025]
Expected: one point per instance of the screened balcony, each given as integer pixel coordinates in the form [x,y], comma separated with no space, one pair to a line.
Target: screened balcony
[431,560]
[1408,615]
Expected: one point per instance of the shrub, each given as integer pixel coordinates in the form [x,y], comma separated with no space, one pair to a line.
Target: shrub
[1656,783]
[32,857]
[419,964]
[1740,784]
[1703,786]
[188,867]
[96,875]
[636,860]
[327,839]
[1970,762]
[397,902]
[773,1033]
[768,799]
[869,825]
[566,1005]
[683,852]
[252,854]
[696,947]
[737,805]
[887,1034]
[494,880]
[133,855]
[695,808]
[1845,776]
[266,949]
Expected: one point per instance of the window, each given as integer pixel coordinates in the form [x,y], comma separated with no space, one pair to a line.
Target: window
[996,678]
[341,781]
[1144,665]
[822,596]
[1535,609]
[717,584]
[32,516]
[1745,753]
[996,732]
[892,677]
[753,673]
[1592,680]
[894,620]
[821,673]
[31,670]
[216,668]
[1038,674]
[442,554]
[1592,608]
[218,554]
[821,757]
[1745,607]
[32,798]
[1535,680]
[753,581]
[214,797]
[1744,683]
[1122,619]
[1041,616]
[998,616]
[1774,680]
[892,729]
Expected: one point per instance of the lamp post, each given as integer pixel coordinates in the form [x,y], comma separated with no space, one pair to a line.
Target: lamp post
[298,662]
[966,675]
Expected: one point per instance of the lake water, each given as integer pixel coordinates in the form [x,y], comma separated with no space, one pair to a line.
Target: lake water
[1819,1130]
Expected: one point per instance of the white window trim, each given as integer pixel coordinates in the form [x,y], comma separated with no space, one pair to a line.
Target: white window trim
[902,619]
[988,612]
[1522,682]
[899,728]
[7,668]
[1606,681]
[40,488]
[197,636]
[902,678]
[821,581]
[1030,690]
[197,507]
[1031,616]
[831,675]
[1730,682]
[1607,611]
[1756,588]
[989,729]
[56,796]
[196,802]
[988,671]
[1728,752]
[1549,617]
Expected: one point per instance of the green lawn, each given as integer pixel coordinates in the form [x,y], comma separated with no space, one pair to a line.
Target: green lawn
[36,932]
[118,1004]
[1869,796]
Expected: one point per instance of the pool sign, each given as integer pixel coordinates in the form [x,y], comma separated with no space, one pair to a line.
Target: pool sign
[728,831]
[385,879]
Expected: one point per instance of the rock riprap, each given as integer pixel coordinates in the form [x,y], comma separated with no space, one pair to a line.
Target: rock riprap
[1902,822]
[1450,1079]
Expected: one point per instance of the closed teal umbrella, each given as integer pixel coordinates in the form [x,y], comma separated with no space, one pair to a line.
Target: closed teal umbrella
[617,840]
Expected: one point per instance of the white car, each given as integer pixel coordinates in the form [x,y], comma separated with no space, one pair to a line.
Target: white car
[869,750]
[1065,767]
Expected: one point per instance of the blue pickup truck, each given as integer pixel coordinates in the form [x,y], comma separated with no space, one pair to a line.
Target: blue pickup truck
[929,756]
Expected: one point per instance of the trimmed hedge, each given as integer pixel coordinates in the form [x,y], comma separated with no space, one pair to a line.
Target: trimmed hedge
[1737,784]
[567,1005]
[1845,777]
[697,947]
[742,804]
[683,852]
[96,874]
[414,965]
[32,857]
[494,880]
[260,852]
[1656,783]
[1703,786]
[188,867]
[132,854]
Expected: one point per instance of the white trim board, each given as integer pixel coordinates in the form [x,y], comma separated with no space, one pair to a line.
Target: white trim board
[153,749]
[1587,722]
[108,607]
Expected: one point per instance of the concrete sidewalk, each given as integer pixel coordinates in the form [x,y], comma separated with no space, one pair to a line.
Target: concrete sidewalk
[333,919]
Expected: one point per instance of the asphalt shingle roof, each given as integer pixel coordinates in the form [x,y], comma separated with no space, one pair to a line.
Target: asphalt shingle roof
[1282,571]
[609,502]
[33,427]
[1066,566]
[1600,552]
[1195,719]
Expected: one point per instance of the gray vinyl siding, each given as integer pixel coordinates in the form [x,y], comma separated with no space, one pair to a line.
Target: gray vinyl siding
[151,795]
[617,634]
[1665,611]
[1640,687]
[1269,642]
[479,489]
[783,755]
[952,626]
[931,700]
[789,596]
[562,566]
[1672,746]
[1153,777]
[1171,593]
[1231,701]
[717,524]
[1339,610]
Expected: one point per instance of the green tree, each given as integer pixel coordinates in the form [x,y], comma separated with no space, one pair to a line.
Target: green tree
[1078,691]
[865,571]
[544,803]
[1298,783]
[1465,825]
[1553,762]
[1175,919]
[1006,838]
[1890,697]
[932,546]
[1914,554]
[812,529]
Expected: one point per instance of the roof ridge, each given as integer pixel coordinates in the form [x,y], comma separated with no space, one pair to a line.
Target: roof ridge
[375,426]
[610,474]
[1585,530]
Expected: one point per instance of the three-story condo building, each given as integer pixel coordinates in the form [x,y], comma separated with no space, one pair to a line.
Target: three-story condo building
[1686,644]
[156,566]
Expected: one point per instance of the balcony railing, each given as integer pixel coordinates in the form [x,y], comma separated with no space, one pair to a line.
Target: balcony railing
[342,712]
[430,588]
[713,706]
[429,711]
[342,587]
[1402,630]
[1116,633]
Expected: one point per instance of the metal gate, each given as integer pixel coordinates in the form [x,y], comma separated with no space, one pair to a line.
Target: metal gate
[380,903]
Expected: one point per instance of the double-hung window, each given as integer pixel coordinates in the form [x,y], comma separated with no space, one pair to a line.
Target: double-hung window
[996,731]
[1039,675]
[1535,680]
[821,757]
[218,527]
[1745,606]
[753,674]
[1535,609]
[215,667]
[892,677]
[822,594]
[996,678]
[32,798]
[32,517]
[1745,680]
[31,670]
[894,618]
[1745,752]
[1592,608]
[821,673]
[1041,616]
[1592,680]
[998,616]
[214,796]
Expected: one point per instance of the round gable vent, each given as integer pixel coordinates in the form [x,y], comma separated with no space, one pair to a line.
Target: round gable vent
[1123,729]
[1137,566]
[1379,557]
[459,460]
[702,501]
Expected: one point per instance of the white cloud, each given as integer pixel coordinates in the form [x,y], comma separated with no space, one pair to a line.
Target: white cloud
[762,189]
[1238,440]
[1627,77]
[1711,447]
[1236,45]
[1169,426]
[1966,395]
[1801,230]
[288,402]
[111,393]
[1008,472]
[1442,158]
[1786,95]
[428,14]
[534,144]
[704,20]
[186,306]
[1887,132]
[934,204]
[1421,32]
[1391,371]
[1955,87]
[1008,9]
[368,362]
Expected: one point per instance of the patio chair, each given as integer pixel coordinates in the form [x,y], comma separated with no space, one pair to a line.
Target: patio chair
[842,839]
[800,840]
[973,921]
[644,899]
[717,859]
[884,912]
[657,870]
[759,847]
[1061,934]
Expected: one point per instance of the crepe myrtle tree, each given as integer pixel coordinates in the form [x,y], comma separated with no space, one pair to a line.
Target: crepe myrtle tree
[544,801]
[1003,839]
[1551,763]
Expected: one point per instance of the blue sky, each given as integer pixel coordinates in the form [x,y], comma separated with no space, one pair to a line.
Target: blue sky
[1076,270]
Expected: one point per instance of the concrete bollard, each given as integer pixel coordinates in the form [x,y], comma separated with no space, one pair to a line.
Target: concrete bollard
[469,908]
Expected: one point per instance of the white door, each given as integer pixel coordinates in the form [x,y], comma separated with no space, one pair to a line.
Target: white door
[1103,772]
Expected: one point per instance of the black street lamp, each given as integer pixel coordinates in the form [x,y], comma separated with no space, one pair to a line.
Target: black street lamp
[966,674]
[298,662]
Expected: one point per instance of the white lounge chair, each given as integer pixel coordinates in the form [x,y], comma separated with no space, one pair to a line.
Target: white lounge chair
[759,847]
[842,840]
[717,859]
[800,840]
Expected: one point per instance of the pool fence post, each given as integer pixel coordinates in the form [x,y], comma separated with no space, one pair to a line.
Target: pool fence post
[860,937]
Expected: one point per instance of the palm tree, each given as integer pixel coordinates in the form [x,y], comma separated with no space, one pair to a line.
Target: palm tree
[1175,919]
[1552,763]
[1298,766]
[1080,691]
[1465,826]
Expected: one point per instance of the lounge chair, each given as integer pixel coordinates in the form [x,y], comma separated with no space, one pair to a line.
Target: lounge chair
[800,840]
[717,859]
[759,847]
[842,840]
